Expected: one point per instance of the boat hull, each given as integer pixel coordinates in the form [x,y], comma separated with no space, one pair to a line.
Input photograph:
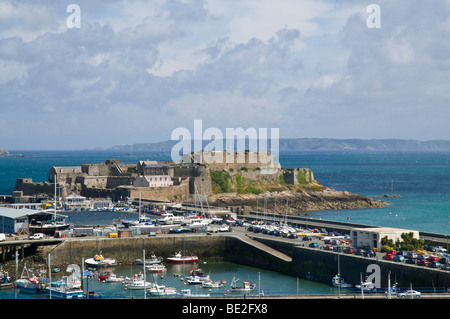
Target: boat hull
[74,294]
[182,260]
[29,287]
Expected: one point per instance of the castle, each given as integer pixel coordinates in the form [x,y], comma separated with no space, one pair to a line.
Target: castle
[156,180]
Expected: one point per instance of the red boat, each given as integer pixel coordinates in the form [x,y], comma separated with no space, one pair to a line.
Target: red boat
[178,258]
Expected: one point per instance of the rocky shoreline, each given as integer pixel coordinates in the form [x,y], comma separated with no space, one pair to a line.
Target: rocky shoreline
[298,202]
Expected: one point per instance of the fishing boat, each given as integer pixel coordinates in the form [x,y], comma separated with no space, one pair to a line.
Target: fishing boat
[100,261]
[30,283]
[339,282]
[64,289]
[246,286]
[156,268]
[178,258]
[162,290]
[152,260]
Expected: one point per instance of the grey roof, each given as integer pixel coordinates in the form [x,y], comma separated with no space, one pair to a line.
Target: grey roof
[22,212]
[16,213]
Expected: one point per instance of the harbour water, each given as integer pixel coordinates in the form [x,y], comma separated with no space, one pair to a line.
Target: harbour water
[266,283]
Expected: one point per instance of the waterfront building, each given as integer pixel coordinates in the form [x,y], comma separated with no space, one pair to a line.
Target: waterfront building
[74,201]
[14,221]
[371,237]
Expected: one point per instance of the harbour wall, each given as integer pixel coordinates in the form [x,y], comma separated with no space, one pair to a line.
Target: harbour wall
[315,263]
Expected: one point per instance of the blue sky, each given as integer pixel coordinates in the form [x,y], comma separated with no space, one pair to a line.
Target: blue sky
[135,70]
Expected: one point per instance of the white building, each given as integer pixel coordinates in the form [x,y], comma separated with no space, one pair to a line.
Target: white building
[371,237]
[153,181]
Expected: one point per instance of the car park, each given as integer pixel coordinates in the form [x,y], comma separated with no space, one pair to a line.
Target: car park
[409,293]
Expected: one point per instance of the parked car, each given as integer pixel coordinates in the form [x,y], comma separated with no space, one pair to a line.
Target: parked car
[360,252]
[293,236]
[411,254]
[409,293]
[349,250]
[423,262]
[399,258]
[328,247]
[314,245]
[37,236]
[389,256]
[328,241]
[306,238]
[423,256]
[434,264]
[441,249]
[337,248]
[412,261]
[432,258]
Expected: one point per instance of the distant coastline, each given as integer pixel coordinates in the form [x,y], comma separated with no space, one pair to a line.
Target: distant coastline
[312,144]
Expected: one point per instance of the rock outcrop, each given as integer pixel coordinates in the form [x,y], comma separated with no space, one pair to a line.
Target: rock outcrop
[298,202]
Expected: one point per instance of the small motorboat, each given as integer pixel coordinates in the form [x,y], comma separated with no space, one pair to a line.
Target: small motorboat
[156,268]
[100,261]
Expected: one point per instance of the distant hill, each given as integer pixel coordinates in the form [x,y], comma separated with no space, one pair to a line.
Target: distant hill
[308,144]
[3,152]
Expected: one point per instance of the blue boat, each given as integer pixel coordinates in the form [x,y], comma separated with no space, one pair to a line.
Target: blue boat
[63,289]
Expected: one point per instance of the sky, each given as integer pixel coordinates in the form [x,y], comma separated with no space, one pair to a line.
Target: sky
[133,71]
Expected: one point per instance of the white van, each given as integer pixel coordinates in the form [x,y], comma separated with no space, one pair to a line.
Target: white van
[2,237]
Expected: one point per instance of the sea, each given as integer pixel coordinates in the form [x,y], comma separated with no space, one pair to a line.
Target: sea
[420,179]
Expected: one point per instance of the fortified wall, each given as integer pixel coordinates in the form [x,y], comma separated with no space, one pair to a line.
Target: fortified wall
[191,177]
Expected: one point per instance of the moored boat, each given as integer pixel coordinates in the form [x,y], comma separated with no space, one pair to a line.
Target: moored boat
[179,258]
[161,290]
[30,283]
[152,260]
[246,286]
[213,284]
[64,289]
[5,279]
[156,268]
[100,261]
[339,282]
